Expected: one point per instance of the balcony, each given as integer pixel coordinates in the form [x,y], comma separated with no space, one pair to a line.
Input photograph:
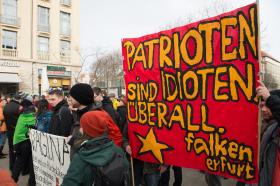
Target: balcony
[44,28]
[10,20]
[65,2]
[11,53]
[43,55]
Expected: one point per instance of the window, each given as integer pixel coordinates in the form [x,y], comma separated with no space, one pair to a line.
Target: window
[43,44]
[43,19]
[9,39]
[9,12]
[65,23]
[64,48]
[65,2]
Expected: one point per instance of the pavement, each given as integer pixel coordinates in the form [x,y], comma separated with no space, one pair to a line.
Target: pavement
[190,177]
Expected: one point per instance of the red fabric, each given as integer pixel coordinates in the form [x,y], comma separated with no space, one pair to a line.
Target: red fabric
[276,172]
[6,179]
[156,71]
[95,123]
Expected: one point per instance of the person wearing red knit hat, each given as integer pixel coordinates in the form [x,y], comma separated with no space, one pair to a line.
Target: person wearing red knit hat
[96,150]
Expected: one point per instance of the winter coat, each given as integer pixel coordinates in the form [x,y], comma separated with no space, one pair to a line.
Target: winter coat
[62,120]
[269,145]
[80,171]
[75,133]
[114,132]
[107,105]
[3,127]
[11,114]
[273,103]
[25,121]
[43,121]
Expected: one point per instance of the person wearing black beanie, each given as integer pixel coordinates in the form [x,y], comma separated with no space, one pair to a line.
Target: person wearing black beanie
[82,93]
[81,97]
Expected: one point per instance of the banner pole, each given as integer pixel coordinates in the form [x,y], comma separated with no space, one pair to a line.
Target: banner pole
[261,78]
[132,170]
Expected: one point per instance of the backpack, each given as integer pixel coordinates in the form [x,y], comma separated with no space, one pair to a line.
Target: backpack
[114,173]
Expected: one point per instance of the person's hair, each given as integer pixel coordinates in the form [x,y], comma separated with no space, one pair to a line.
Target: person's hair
[42,106]
[56,91]
[96,90]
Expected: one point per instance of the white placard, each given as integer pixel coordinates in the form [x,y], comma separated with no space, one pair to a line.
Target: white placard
[51,158]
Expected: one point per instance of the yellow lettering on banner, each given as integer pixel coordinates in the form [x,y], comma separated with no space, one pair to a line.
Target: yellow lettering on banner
[190,75]
[129,111]
[177,116]
[191,127]
[131,91]
[233,150]
[161,113]
[204,120]
[142,112]
[198,53]
[130,49]
[226,41]
[171,94]
[245,85]
[176,51]
[248,31]
[209,28]
[150,45]
[140,56]
[204,74]
[151,113]
[164,49]
[200,146]
[245,153]
[220,84]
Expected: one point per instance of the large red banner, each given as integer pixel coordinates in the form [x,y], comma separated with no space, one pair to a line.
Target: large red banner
[191,95]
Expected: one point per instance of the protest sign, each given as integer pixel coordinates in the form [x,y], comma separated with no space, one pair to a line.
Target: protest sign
[191,95]
[51,158]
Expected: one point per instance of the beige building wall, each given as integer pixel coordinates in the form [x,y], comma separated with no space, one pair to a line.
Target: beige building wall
[29,61]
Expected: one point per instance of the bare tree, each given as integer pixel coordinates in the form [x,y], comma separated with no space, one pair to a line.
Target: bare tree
[106,68]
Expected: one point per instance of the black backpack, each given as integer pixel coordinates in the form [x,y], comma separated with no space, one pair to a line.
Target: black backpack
[114,173]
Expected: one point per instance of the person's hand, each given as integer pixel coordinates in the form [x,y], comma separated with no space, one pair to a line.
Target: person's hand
[162,168]
[262,91]
[128,149]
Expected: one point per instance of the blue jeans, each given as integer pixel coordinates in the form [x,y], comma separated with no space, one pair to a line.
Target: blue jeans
[2,138]
[152,179]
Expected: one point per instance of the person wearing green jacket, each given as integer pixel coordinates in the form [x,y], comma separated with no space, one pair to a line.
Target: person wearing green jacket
[96,150]
[21,142]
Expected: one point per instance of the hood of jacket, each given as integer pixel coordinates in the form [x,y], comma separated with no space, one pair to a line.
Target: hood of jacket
[97,151]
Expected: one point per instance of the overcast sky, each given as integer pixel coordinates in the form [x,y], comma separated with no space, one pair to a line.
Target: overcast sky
[105,22]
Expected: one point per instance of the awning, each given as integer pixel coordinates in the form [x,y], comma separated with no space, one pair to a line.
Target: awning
[9,78]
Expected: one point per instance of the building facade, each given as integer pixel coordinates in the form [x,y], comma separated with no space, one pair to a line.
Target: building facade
[37,34]
[270,68]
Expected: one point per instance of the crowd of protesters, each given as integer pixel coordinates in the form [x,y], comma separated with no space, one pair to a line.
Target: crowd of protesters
[95,124]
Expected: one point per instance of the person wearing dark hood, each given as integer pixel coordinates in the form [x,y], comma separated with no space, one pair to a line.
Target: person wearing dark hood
[21,142]
[96,150]
[270,141]
[81,97]
[11,113]
[104,101]
[62,119]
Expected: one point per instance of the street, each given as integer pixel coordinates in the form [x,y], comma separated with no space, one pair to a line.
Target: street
[190,177]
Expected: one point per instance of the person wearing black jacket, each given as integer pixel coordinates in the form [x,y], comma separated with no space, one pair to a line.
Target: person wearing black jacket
[105,102]
[62,119]
[11,113]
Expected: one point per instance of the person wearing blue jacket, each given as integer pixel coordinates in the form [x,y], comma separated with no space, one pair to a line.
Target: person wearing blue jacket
[43,116]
